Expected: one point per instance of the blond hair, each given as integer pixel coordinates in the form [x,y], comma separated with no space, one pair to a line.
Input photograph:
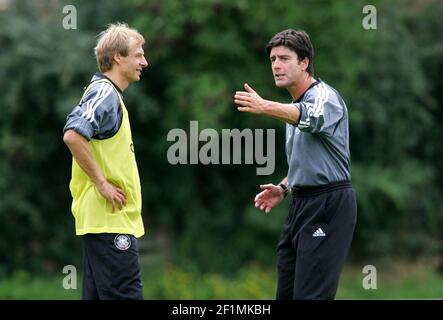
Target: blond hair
[115,39]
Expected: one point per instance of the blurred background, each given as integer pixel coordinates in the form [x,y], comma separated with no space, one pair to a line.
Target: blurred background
[205,239]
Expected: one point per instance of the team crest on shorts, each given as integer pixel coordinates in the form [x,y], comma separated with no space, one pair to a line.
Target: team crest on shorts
[122,242]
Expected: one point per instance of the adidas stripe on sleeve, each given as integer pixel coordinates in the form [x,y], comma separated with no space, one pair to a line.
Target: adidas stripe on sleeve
[319,111]
[98,115]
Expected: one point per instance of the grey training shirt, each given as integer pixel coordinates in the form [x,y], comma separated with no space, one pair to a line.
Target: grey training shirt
[98,115]
[317,148]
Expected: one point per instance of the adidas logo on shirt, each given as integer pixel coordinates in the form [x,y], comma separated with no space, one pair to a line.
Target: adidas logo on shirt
[319,233]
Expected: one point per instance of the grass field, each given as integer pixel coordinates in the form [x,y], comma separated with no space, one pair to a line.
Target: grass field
[402,281]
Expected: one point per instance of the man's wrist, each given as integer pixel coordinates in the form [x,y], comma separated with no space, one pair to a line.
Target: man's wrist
[267,107]
[284,188]
[99,182]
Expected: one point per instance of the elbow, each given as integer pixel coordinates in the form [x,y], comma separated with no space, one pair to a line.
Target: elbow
[69,137]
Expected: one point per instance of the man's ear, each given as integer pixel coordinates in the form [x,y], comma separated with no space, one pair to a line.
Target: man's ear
[117,58]
[305,63]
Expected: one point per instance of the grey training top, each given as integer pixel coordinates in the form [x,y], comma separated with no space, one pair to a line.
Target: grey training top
[317,148]
[98,115]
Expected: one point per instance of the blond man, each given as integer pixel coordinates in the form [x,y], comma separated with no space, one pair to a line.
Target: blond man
[105,184]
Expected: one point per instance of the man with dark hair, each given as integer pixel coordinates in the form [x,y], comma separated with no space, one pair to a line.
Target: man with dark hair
[317,234]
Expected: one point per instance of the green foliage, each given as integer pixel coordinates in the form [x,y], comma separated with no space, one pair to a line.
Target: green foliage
[172,282]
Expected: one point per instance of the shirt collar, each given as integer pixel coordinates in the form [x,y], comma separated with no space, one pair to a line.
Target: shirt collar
[317,81]
[99,76]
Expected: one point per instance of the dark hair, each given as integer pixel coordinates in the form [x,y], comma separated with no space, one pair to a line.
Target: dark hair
[297,41]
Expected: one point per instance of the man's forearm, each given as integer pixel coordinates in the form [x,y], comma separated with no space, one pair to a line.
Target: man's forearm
[285,112]
[82,153]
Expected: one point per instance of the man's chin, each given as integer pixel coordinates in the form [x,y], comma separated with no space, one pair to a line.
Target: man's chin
[280,84]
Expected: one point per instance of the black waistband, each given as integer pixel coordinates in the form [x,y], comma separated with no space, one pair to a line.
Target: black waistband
[313,191]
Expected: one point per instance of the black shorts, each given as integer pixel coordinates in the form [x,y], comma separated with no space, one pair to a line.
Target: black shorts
[111,267]
[315,241]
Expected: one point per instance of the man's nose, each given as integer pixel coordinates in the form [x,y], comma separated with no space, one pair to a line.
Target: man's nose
[144,63]
[276,66]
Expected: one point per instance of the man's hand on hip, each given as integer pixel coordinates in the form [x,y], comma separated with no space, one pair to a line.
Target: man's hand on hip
[113,194]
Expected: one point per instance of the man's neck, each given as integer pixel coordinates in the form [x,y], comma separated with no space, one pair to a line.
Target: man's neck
[117,79]
[299,89]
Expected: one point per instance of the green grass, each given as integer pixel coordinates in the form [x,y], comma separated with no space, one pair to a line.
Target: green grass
[402,281]
[23,286]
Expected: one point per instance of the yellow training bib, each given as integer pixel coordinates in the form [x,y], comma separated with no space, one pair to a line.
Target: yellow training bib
[116,158]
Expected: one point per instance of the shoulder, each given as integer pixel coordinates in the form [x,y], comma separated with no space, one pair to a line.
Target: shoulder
[100,90]
[101,96]
[323,92]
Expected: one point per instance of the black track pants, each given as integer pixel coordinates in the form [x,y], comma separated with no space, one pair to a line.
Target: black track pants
[111,268]
[315,241]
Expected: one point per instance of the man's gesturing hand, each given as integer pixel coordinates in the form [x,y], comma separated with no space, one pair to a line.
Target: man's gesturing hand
[113,194]
[249,101]
[269,197]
